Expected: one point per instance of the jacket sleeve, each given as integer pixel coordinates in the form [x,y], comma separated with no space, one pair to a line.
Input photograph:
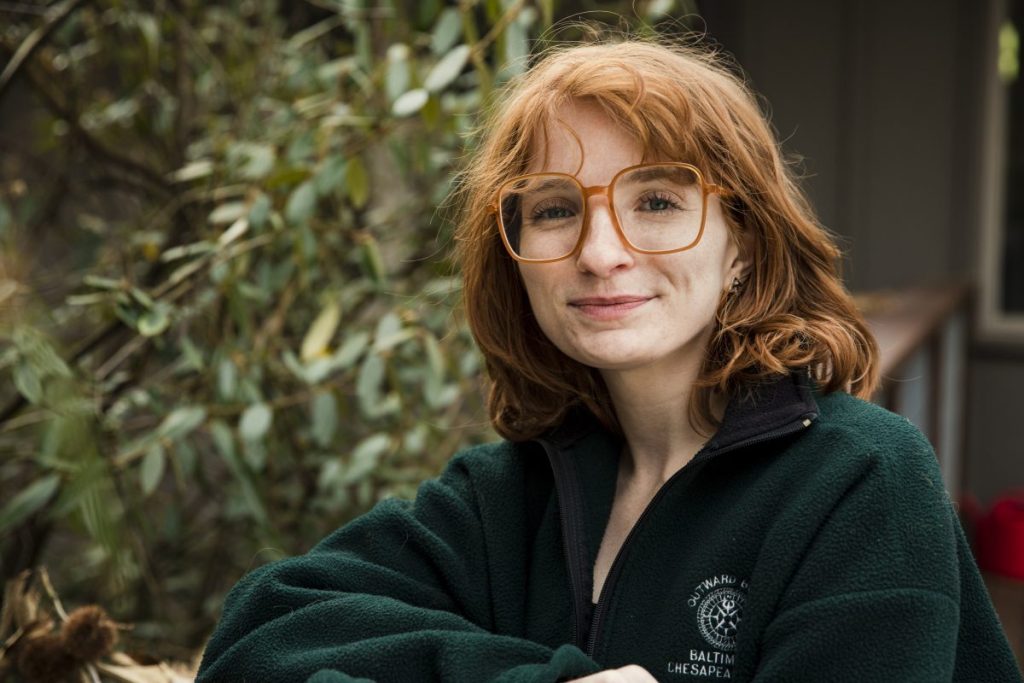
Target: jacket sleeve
[399,594]
[886,589]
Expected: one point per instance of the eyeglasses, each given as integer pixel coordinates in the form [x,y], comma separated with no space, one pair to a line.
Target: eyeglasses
[656,209]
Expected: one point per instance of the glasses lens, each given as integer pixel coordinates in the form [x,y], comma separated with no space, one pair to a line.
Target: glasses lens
[660,207]
[541,215]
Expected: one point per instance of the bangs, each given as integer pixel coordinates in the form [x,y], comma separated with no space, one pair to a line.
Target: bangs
[661,101]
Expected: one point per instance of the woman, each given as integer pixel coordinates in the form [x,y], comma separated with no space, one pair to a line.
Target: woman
[686,490]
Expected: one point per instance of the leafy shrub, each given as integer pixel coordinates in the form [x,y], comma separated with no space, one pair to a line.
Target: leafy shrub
[226,305]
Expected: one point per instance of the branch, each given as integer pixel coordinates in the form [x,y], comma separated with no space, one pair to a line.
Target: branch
[51,100]
[507,18]
[55,16]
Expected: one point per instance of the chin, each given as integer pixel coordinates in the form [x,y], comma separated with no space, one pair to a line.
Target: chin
[614,360]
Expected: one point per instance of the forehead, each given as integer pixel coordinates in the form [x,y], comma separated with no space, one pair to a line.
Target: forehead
[580,139]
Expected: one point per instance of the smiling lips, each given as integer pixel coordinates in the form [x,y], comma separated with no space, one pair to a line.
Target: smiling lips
[608,308]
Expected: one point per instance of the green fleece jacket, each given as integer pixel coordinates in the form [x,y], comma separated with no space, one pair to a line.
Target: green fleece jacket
[811,539]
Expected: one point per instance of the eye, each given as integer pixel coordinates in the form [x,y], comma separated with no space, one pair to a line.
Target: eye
[552,210]
[658,202]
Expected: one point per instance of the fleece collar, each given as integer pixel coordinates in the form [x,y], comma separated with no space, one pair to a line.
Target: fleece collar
[779,404]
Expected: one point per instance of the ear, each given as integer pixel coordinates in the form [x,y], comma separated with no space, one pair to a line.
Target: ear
[739,255]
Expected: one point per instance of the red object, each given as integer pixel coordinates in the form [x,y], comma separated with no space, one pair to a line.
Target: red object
[970,513]
[999,544]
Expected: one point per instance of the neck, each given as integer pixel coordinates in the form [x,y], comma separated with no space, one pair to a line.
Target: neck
[653,410]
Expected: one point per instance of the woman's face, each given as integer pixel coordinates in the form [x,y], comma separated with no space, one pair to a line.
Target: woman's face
[607,306]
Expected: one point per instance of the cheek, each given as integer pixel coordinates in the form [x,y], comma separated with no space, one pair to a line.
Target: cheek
[538,291]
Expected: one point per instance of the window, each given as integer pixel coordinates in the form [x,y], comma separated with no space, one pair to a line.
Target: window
[1001,314]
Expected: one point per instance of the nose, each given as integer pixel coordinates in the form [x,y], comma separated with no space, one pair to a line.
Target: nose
[604,250]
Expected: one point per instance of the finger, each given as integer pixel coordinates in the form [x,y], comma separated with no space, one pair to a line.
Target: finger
[634,673]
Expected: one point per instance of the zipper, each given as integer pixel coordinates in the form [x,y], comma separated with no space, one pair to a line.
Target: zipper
[701,456]
[569,505]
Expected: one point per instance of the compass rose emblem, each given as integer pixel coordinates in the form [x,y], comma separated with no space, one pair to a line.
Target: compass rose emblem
[719,617]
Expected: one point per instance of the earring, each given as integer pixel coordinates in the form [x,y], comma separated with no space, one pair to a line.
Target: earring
[735,288]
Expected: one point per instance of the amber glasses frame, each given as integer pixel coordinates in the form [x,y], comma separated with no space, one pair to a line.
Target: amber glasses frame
[707,188]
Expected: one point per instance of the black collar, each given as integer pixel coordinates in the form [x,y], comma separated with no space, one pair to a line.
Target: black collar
[773,407]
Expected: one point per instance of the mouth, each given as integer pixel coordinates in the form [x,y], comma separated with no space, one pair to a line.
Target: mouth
[608,308]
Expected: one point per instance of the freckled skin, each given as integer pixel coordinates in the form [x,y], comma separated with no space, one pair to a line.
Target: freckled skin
[670,330]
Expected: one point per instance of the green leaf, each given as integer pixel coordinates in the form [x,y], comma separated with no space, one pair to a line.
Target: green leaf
[150,30]
[446,30]
[255,422]
[448,69]
[255,455]
[372,260]
[253,160]
[302,147]
[325,418]
[409,103]
[154,321]
[659,8]
[259,211]
[371,374]
[293,364]
[236,230]
[191,356]
[548,9]
[319,335]
[227,213]
[193,170]
[28,383]
[142,297]
[330,475]
[186,456]
[224,441]
[435,359]
[390,332]
[318,370]
[365,457]
[184,250]
[396,79]
[227,379]
[181,423]
[517,48]
[349,352]
[331,175]
[100,282]
[415,440]
[442,287]
[388,325]
[5,219]
[28,502]
[152,469]
[358,182]
[301,204]
[426,10]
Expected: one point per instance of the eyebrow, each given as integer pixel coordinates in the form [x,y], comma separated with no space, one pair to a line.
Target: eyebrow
[646,174]
[551,183]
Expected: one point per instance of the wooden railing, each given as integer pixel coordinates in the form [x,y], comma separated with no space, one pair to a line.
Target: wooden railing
[922,334]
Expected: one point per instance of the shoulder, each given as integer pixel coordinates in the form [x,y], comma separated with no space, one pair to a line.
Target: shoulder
[852,424]
[497,466]
[499,459]
[860,444]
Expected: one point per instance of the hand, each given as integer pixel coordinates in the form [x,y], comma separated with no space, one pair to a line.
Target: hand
[627,674]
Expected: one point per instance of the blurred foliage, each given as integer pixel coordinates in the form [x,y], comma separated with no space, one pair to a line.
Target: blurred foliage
[226,304]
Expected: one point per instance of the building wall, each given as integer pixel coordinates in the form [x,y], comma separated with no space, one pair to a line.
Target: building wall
[883,103]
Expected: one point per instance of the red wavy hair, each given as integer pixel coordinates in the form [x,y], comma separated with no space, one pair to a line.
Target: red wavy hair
[685,104]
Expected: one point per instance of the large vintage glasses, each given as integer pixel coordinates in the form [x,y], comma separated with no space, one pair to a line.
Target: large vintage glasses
[657,209]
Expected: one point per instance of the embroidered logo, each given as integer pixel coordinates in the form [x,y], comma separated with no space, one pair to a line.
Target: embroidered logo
[719,615]
[717,603]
